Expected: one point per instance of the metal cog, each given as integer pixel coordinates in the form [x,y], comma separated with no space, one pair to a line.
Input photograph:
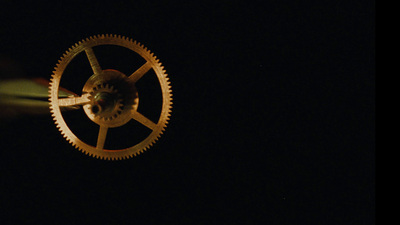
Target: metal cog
[130,97]
[118,105]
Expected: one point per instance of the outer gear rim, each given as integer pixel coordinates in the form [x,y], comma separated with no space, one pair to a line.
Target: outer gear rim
[162,78]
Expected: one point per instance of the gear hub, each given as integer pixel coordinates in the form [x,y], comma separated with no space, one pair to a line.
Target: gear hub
[105,102]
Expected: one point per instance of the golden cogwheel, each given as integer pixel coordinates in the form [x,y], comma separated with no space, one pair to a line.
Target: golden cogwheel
[109,97]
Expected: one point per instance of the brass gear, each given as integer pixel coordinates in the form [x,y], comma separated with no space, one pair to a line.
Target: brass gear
[130,97]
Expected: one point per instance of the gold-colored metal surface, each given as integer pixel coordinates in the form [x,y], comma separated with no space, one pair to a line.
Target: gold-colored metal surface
[107,104]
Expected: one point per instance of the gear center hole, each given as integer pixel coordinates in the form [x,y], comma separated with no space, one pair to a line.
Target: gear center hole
[103,102]
[96,109]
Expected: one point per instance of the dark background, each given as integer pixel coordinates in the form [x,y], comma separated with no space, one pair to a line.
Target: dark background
[273,118]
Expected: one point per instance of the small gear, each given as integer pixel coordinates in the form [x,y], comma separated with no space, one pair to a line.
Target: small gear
[102,96]
[110,98]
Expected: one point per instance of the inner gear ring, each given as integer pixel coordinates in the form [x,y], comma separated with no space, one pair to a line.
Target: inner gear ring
[129,97]
[105,103]
[123,94]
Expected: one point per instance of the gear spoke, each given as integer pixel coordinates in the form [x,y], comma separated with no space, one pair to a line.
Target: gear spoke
[93,60]
[144,120]
[73,101]
[101,139]
[135,76]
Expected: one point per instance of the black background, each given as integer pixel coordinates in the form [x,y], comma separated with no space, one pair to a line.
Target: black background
[273,118]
